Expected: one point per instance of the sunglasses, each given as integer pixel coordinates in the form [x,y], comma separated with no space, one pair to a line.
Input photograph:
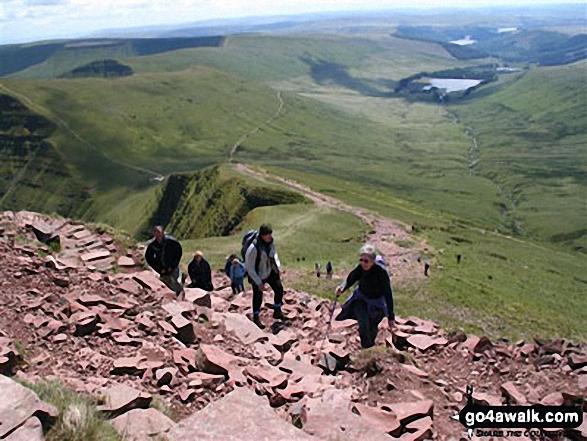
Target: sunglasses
[364,260]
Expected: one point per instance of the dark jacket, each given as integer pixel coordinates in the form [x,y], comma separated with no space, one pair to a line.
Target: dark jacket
[373,284]
[164,255]
[200,274]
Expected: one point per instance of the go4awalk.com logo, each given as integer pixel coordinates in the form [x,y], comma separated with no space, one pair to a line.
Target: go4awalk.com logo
[514,421]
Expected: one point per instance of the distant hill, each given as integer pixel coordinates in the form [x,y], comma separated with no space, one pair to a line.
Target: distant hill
[58,58]
[543,47]
[100,69]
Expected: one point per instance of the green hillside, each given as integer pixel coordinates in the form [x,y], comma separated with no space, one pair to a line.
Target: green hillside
[33,173]
[532,141]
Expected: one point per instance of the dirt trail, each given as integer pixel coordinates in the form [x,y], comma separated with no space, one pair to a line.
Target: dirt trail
[256,129]
[385,234]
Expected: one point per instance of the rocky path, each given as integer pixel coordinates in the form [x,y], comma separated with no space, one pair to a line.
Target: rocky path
[385,234]
[123,336]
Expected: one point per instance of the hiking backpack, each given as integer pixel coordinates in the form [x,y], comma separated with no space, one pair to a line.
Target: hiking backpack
[379,260]
[248,239]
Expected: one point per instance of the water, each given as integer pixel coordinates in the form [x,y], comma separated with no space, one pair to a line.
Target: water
[464,41]
[451,84]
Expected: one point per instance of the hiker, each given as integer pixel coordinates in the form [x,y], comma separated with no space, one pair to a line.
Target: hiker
[237,274]
[426,268]
[317,269]
[200,273]
[163,254]
[458,259]
[329,270]
[371,301]
[263,267]
[228,264]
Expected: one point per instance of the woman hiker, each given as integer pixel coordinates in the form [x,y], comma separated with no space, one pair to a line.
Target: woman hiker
[371,301]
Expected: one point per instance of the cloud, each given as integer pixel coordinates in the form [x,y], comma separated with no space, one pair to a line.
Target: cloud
[26,20]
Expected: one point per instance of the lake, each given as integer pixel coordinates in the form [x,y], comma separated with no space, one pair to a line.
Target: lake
[464,41]
[451,84]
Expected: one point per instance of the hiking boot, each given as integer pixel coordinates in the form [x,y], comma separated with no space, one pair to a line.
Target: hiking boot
[257,321]
[278,314]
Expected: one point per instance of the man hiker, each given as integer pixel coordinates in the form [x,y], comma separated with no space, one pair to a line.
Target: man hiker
[317,268]
[371,301]
[263,267]
[200,273]
[163,254]
[237,274]
[329,270]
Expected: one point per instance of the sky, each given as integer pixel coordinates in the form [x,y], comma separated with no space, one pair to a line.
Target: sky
[33,20]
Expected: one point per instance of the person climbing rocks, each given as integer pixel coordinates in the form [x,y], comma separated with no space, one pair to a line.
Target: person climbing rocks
[371,301]
[317,269]
[263,267]
[200,273]
[237,274]
[163,254]
[329,270]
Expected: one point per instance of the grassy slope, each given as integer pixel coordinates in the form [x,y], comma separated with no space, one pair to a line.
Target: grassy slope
[538,149]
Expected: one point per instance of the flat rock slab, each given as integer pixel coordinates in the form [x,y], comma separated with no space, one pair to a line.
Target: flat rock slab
[244,329]
[32,430]
[142,425]
[330,417]
[424,342]
[96,255]
[18,404]
[121,399]
[240,415]
[124,261]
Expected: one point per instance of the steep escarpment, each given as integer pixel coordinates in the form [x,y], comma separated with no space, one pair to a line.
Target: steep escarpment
[212,202]
[100,69]
[32,172]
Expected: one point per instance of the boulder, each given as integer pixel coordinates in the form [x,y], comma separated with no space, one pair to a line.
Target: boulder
[330,417]
[121,398]
[418,430]
[184,329]
[45,232]
[214,360]
[85,322]
[198,297]
[203,380]
[244,329]
[18,405]
[513,395]
[577,361]
[408,412]
[125,262]
[385,421]
[129,366]
[142,425]
[240,415]
[476,344]
[95,255]
[269,375]
[8,356]
[424,342]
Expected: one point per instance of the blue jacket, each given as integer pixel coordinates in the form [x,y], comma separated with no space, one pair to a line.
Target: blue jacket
[237,272]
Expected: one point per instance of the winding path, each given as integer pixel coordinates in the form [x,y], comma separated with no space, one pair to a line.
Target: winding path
[256,129]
